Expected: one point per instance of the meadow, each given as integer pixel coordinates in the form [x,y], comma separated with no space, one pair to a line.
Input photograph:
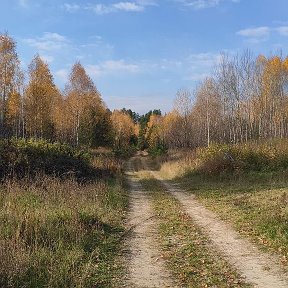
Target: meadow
[244,184]
[61,214]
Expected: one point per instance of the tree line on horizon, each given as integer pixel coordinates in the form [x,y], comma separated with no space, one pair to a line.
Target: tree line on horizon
[246,98]
[32,106]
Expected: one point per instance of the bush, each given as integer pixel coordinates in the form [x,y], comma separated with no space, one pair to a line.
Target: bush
[266,156]
[19,158]
[158,150]
[124,152]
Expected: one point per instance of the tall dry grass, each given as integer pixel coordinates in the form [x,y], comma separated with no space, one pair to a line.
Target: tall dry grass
[59,233]
[177,162]
[244,184]
[218,159]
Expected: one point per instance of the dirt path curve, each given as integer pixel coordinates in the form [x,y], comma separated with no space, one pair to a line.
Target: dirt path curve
[258,268]
[145,265]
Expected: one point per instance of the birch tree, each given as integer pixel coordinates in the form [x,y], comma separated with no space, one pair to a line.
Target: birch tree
[82,96]
[9,70]
[40,100]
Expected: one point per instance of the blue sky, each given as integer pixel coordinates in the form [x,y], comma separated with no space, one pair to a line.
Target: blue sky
[140,52]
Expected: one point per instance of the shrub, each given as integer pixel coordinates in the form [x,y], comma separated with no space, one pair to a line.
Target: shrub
[266,156]
[158,149]
[124,152]
[21,158]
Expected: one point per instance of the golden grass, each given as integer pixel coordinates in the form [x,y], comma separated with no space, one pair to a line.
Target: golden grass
[177,163]
[57,233]
[188,253]
[254,201]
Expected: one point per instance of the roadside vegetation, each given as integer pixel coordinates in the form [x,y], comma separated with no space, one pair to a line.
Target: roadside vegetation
[245,184]
[189,254]
[62,201]
[60,226]
[21,158]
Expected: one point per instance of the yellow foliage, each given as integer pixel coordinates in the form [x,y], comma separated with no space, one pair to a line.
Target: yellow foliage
[123,128]
[13,104]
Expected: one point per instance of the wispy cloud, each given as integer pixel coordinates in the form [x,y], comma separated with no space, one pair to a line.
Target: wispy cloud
[102,69]
[101,8]
[200,65]
[71,7]
[204,59]
[52,47]
[48,42]
[258,32]
[263,33]
[282,30]
[203,4]
[62,74]
[148,2]
[112,67]
[23,3]
[128,6]
[55,49]
[47,58]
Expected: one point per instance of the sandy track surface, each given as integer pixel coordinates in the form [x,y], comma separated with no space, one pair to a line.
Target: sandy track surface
[144,263]
[256,267]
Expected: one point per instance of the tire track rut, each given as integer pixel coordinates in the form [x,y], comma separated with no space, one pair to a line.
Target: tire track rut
[258,268]
[145,266]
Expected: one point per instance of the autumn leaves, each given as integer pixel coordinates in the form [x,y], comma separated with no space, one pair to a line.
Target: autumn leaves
[33,106]
[246,98]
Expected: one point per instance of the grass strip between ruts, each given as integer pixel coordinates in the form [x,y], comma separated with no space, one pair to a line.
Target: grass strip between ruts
[188,252]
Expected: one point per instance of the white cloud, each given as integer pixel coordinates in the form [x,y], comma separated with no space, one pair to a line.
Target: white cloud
[204,59]
[282,30]
[101,8]
[147,3]
[62,74]
[120,65]
[49,46]
[47,58]
[23,3]
[54,37]
[112,67]
[203,4]
[128,6]
[48,42]
[167,64]
[197,77]
[200,65]
[258,32]
[55,49]
[71,7]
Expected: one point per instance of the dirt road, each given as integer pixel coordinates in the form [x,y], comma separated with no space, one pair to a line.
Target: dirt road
[146,267]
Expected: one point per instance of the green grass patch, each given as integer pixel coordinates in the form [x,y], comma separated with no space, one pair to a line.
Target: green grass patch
[27,158]
[186,250]
[269,155]
[61,233]
[256,203]
[246,184]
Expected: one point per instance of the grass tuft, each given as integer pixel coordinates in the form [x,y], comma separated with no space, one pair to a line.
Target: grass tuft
[255,204]
[60,233]
[187,251]
[250,191]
